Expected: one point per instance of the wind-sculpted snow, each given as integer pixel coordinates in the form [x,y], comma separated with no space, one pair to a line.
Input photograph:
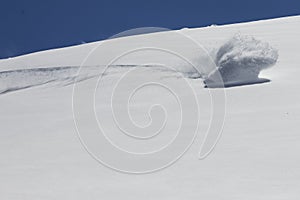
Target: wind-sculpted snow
[240,60]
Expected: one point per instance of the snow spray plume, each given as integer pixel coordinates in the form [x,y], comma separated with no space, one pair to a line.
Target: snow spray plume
[240,60]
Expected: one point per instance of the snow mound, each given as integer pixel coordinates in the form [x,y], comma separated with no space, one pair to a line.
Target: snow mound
[240,60]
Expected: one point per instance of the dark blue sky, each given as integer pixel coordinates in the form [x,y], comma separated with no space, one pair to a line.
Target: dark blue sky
[32,25]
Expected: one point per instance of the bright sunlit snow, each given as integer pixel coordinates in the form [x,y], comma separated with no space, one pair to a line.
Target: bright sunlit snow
[257,156]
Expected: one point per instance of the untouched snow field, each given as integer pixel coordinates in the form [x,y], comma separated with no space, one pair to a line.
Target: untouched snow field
[145,99]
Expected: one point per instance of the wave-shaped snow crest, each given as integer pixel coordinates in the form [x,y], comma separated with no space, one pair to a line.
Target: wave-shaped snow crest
[240,60]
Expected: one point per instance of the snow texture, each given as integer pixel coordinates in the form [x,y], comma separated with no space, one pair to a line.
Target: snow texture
[240,60]
[257,156]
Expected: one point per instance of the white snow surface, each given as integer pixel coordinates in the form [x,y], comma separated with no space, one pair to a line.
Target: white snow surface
[241,59]
[257,156]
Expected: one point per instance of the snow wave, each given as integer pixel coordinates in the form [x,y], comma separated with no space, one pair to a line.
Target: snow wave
[240,60]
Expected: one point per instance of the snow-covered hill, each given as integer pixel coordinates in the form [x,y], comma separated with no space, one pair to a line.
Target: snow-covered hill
[145,95]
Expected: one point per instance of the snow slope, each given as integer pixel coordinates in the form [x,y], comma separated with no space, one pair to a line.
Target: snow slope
[256,158]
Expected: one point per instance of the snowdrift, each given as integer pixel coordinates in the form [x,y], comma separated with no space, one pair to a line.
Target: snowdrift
[240,60]
[237,62]
[257,156]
